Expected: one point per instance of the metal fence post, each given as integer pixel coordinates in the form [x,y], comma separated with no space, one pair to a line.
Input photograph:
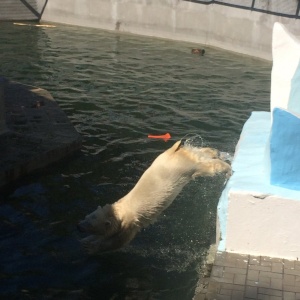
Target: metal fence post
[298,9]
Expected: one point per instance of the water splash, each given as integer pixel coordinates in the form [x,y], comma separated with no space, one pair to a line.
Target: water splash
[194,140]
[226,156]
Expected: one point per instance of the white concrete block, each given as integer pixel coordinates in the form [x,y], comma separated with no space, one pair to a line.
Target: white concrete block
[255,217]
[286,59]
[263,225]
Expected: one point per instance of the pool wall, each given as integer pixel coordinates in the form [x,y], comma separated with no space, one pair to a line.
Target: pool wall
[244,31]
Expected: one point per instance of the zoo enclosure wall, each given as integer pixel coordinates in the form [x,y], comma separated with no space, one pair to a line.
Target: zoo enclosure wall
[243,26]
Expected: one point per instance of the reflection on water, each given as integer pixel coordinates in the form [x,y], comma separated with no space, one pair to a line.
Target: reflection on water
[117,89]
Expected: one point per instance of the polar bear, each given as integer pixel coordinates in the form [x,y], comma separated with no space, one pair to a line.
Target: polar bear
[115,225]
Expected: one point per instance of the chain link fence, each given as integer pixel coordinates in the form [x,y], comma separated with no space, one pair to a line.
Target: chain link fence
[284,8]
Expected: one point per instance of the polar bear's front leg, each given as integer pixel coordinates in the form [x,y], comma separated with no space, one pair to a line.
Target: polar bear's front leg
[91,243]
[98,243]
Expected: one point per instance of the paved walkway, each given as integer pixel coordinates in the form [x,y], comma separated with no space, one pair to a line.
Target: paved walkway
[36,131]
[236,276]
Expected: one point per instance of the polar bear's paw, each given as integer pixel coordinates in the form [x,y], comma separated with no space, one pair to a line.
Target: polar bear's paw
[222,167]
[91,244]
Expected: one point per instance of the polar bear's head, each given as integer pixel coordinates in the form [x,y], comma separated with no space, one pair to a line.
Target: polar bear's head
[102,221]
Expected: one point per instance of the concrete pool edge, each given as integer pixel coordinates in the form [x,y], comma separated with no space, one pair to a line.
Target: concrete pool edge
[250,196]
[35,131]
[257,256]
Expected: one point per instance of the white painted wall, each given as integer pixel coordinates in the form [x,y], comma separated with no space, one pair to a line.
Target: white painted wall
[254,216]
[266,226]
[229,28]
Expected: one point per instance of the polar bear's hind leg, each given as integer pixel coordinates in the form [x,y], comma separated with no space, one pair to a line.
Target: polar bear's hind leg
[212,167]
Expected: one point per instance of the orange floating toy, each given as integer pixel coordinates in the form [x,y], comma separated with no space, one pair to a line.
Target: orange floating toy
[164,137]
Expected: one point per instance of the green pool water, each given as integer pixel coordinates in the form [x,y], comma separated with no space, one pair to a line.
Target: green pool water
[116,89]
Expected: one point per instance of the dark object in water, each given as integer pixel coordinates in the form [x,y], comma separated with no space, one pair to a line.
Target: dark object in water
[198,51]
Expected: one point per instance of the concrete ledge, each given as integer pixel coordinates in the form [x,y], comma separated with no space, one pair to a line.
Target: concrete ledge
[38,132]
[254,216]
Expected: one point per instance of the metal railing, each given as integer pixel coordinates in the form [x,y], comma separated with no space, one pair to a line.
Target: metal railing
[283,8]
[22,10]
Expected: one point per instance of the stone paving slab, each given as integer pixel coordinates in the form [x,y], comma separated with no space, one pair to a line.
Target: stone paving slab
[238,276]
[37,131]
